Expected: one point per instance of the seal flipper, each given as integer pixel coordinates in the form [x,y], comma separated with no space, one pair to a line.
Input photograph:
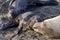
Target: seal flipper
[9,24]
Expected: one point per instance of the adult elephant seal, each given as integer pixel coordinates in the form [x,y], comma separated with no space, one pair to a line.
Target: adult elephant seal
[18,7]
[50,28]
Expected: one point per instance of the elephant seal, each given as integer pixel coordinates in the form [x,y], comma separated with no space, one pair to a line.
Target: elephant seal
[50,28]
[18,7]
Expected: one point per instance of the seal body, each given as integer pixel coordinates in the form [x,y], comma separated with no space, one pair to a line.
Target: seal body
[50,28]
[20,6]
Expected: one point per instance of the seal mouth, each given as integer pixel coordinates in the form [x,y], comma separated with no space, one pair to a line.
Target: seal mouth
[35,29]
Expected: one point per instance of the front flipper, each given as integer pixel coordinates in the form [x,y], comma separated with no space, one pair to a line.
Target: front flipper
[9,24]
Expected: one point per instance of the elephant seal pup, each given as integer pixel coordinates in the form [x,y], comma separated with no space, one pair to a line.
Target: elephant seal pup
[50,28]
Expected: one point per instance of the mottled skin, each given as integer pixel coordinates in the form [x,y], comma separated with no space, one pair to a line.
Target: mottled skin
[50,28]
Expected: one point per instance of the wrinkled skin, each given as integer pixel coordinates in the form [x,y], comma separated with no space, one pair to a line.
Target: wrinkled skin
[18,7]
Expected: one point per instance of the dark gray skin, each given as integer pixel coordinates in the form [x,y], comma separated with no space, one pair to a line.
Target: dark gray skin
[22,6]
